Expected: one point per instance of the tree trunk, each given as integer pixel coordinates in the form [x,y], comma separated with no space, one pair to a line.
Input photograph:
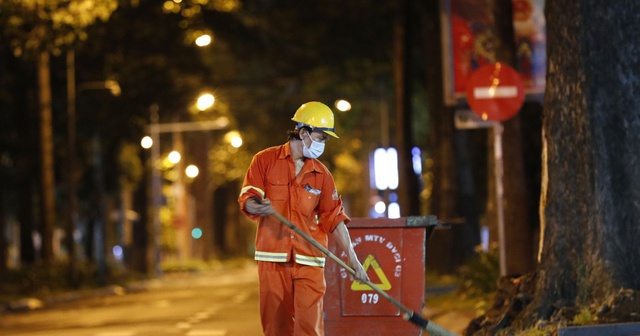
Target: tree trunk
[3,240]
[518,243]
[591,145]
[142,229]
[466,236]
[220,200]
[48,214]
[99,236]
[72,213]
[25,216]
[408,181]
[444,252]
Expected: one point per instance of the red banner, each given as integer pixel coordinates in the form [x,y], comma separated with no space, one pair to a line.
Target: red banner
[471,41]
[531,43]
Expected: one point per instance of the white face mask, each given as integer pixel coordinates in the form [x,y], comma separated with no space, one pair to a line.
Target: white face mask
[314,151]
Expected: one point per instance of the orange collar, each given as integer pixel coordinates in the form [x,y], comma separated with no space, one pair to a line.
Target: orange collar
[285,153]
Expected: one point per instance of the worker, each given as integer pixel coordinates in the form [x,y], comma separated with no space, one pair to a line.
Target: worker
[289,179]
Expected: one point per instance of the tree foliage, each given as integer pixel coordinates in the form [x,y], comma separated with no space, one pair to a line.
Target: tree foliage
[265,60]
[269,57]
[50,25]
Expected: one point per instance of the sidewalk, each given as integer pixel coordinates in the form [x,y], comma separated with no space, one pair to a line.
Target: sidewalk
[33,303]
[446,309]
[455,320]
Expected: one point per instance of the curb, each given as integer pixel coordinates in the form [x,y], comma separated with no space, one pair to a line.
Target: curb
[25,304]
[440,289]
[619,329]
[31,303]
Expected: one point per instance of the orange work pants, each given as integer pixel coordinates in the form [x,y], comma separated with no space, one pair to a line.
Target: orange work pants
[291,299]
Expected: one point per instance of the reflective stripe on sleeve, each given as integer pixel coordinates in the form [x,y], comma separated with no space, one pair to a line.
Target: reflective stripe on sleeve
[271,256]
[310,261]
[247,188]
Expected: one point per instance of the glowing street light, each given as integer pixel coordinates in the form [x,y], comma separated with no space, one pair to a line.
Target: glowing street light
[236,142]
[204,40]
[343,105]
[174,157]
[205,101]
[394,210]
[111,85]
[233,138]
[385,169]
[192,171]
[155,129]
[146,142]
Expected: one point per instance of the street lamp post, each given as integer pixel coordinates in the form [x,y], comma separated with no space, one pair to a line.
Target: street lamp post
[155,129]
[155,187]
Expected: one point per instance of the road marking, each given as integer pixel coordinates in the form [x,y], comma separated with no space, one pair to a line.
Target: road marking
[162,303]
[183,325]
[213,332]
[240,297]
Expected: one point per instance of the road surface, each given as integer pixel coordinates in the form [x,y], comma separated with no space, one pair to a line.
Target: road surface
[222,303]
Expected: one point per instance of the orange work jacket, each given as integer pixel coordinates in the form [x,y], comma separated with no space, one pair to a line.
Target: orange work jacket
[310,201]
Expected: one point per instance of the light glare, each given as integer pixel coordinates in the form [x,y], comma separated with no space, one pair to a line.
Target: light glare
[233,138]
[196,233]
[146,142]
[385,169]
[416,159]
[380,168]
[343,105]
[380,207]
[174,157]
[392,168]
[236,142]
[117,252]
[394,210]
[204,40]
[192,171]
[205,101]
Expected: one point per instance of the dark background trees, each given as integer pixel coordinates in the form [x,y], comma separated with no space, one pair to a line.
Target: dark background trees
[265,59]
[271,56]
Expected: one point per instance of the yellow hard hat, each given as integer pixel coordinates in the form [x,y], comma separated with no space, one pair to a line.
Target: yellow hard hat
[316,115]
